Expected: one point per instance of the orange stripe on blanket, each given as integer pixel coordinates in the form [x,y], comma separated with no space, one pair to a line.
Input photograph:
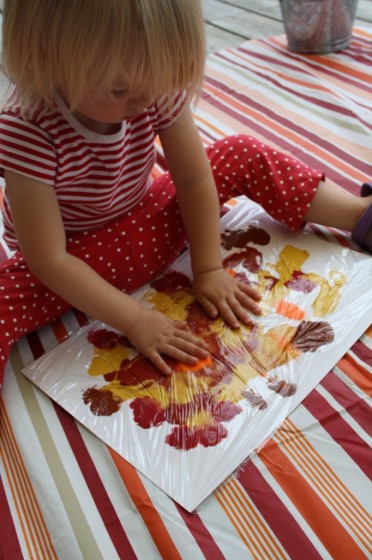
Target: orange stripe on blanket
[207,123]
[330,62]
[362,32]
[340,238]
[146,508]
[286,133]
[343,69]
[328,529]
[357,373]
[284,77]
[29,515]
[252,529]
[13,487]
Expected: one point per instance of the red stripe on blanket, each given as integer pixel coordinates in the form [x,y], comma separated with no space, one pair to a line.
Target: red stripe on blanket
[279,81]
[339,430]
[81,318]
[349,400]
[277,516]
[35,344]
[59,330]
[358,80]
[201,534]
[281,141]
[362,352]
[9,545]
[93,480]
[342,159]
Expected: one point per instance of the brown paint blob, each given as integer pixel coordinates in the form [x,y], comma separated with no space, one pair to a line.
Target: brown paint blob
[241,237]
[102,402]
[310,336]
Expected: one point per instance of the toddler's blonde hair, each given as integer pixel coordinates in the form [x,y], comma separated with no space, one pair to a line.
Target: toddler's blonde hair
[82,46]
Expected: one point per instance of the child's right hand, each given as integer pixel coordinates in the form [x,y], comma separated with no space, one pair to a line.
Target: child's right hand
[154,334]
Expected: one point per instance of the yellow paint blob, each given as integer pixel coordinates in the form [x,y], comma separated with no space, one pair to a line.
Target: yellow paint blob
[106,361]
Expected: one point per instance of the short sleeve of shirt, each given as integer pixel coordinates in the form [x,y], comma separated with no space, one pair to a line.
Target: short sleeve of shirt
[26,148]
[168,108]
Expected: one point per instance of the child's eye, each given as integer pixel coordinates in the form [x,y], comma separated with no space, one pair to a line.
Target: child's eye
[119,92]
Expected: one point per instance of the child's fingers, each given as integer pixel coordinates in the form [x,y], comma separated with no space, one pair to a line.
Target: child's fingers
[159,363]
[230,311]
[183,347]
[248,303]
[180,355]
[221,307]
[184,334]
[186,347]
[250,291]
[191,348]
[189,357]
[237,308]
[209,307]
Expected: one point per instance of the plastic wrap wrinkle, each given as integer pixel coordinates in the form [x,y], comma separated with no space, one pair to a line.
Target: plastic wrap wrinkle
[190,431]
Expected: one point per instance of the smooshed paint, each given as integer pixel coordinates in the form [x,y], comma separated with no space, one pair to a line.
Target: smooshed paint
[196,404]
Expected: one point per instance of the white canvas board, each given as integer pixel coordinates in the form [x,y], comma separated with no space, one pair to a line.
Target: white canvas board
[188,433]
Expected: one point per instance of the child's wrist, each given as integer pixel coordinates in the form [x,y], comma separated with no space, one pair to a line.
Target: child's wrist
[131,315]
[206,270]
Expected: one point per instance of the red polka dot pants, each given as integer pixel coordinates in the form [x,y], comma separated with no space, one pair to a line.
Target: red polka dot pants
[136,248]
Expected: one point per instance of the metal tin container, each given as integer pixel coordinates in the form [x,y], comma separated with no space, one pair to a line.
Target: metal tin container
[318,26]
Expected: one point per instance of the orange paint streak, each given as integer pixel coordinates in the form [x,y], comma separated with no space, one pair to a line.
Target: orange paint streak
[290,310]
[187,367]
[231,271]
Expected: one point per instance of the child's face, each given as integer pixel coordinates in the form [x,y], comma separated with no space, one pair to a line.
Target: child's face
[115,106]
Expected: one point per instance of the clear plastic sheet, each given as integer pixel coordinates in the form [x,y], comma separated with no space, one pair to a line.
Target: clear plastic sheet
[190,431]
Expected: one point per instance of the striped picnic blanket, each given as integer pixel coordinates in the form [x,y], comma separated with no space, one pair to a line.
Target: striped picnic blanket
[306,494]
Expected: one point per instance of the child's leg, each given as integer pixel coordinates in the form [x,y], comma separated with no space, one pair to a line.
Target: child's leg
[333,206]
[281,184]
[290,191]
[24,305]
[362,231]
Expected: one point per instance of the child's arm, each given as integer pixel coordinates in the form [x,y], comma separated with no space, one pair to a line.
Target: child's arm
[215,290]
[41,236]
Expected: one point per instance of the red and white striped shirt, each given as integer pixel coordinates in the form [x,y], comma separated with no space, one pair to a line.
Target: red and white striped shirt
[97,178]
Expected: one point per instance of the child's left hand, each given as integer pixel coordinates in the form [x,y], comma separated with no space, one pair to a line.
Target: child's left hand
[219,293]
